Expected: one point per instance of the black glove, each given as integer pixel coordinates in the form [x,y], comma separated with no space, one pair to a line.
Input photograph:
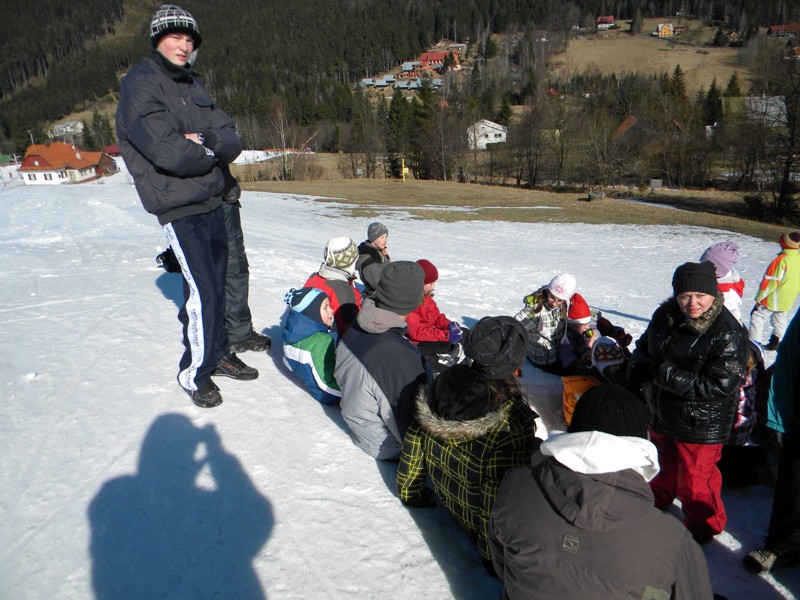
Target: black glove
[232,194]
[641,372]
[167,260]
[426,501]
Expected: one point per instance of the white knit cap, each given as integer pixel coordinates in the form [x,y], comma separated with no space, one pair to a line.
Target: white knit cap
[562,286]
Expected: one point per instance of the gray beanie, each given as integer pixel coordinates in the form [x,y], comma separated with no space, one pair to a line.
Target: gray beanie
[376,230]
[400,287]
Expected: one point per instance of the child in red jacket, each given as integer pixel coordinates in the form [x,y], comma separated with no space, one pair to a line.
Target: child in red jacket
[436,336]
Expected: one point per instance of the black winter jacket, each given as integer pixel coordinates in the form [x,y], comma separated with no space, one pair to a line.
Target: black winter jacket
[690,371]
[174,177]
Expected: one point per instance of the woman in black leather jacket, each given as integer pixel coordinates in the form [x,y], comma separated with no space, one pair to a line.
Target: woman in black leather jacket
[689,363]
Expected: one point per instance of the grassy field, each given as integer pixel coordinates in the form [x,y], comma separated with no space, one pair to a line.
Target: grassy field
[435,200]
[618,52]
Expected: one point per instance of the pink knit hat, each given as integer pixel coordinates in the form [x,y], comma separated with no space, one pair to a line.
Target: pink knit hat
[723,255]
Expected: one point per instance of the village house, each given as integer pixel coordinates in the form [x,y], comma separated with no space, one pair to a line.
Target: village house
[485,132]
[788,30]
[56,163]
[768,111]
[664,30]
[605,22]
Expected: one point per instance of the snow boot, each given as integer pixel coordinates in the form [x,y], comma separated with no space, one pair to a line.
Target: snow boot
[206,396]
[764,560]
[773,343]
[255,342]
[233,367]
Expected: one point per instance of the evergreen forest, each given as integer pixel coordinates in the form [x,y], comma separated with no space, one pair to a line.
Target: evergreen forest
[288,72]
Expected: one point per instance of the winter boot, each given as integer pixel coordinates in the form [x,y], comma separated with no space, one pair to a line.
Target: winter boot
[764,560]
[255,342]
[773,344]
[233,367]
[206,396]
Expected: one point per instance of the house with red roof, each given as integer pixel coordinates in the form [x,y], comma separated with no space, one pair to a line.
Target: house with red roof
[605,22]
[57,162]
[787,30]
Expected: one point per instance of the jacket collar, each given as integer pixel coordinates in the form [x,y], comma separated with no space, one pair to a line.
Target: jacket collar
[700,324]
[184,73]
[378,320]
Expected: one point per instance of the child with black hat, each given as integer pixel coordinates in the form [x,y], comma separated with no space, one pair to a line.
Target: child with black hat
[373,256]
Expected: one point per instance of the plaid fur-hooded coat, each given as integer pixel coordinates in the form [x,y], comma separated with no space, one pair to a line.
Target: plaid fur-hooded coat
[466,459]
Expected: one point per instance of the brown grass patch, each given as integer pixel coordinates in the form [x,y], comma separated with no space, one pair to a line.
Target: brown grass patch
[435,200]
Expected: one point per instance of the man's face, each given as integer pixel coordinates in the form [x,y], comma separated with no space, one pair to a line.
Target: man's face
[176,48]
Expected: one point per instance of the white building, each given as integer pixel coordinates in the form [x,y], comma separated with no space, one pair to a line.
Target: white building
[485,132]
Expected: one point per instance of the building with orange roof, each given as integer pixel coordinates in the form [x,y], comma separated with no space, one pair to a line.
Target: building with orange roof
[57,163]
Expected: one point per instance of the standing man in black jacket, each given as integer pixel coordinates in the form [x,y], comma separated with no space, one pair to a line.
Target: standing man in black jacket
[176,144]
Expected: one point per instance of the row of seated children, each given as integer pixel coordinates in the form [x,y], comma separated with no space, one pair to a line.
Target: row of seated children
[437,337]
[474,411]
[373,368]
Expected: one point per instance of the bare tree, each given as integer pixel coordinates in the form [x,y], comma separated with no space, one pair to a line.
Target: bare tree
[286,140]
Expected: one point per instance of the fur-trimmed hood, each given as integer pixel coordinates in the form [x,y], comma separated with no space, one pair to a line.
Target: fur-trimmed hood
[699,325]
[447,428]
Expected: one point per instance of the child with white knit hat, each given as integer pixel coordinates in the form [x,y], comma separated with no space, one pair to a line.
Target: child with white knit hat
[544,317]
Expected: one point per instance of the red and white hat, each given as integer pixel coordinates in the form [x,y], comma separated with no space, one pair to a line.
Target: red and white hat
[579,311]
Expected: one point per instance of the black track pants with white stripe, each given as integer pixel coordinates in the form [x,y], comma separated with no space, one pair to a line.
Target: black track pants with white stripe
[200,244]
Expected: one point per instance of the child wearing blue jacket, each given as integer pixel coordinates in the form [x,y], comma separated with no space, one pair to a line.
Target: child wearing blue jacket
[309,345]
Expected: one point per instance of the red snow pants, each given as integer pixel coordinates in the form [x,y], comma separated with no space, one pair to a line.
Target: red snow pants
[689,472]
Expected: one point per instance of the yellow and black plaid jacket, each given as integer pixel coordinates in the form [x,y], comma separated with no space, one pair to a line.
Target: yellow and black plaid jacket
[466,460]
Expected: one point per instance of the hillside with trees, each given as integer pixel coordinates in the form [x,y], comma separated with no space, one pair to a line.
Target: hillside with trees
[287,71]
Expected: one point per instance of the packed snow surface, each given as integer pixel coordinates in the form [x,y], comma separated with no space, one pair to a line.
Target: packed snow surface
[108,469]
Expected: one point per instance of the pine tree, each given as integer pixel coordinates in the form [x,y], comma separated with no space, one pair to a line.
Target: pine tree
[733,90]
[712,104]
[636,24]
[88,140]
[677,84]
[503,116]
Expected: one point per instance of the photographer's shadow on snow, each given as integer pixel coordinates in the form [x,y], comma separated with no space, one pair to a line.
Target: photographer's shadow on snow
[188,524]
